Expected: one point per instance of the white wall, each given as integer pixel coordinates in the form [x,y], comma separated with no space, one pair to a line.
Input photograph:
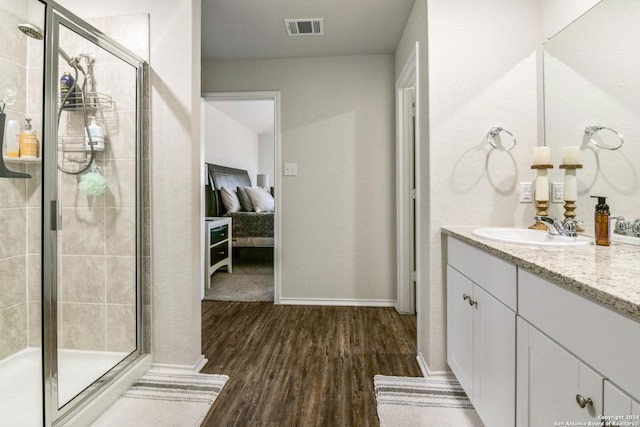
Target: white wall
[267,147]
[482,73]
[338,230]
[229,142]
[175,165]
[558,14]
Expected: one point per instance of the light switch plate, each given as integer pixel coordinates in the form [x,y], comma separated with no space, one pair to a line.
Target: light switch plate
[290,169]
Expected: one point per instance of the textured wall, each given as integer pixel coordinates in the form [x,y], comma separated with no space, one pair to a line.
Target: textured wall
[338,227]
[482,73]
[229,142]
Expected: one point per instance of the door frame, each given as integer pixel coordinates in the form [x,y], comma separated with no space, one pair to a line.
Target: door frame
[407,167]
[277,167]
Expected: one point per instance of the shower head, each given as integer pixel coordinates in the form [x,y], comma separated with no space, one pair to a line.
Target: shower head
[31,30]
[35,32]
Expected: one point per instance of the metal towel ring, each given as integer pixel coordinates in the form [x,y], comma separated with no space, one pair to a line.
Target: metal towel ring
[592,130]
[495,131]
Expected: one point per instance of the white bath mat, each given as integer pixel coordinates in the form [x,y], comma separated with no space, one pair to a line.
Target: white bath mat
[162,399]
[433,401]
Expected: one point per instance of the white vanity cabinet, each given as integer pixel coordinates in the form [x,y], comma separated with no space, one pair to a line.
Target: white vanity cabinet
[550,381]
[481,330]
[619,408]
[572,351]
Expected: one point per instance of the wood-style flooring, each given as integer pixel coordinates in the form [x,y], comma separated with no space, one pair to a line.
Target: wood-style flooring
[303,365]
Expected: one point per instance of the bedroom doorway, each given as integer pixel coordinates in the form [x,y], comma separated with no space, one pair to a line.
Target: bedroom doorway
[241,131]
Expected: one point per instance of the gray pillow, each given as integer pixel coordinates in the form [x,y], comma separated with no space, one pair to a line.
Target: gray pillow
[245,200]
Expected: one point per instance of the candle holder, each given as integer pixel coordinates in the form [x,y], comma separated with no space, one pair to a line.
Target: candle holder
[570,205]
[541,205]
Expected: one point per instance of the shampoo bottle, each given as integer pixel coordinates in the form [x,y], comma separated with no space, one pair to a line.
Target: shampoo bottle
[28,142]
[601,222]
[97,136]
[66,85]
[13,139]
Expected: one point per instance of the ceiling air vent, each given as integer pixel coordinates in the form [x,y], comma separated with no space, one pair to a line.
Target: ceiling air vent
[305,27]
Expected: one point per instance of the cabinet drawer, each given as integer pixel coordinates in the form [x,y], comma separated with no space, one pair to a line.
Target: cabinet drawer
[619,406]
[549,381]
[607,341]
[218,253]
[218,234]
[496,276]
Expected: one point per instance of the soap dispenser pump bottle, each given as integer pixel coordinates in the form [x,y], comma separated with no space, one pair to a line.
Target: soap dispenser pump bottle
[28,142]
[601,222]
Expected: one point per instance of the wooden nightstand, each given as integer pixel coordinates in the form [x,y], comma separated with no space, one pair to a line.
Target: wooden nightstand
[218,246]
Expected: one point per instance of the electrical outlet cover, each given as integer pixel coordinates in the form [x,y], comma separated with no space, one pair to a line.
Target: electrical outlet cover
[557,192]
[526,192]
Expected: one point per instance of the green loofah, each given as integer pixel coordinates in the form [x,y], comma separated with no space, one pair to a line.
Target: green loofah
[92,184]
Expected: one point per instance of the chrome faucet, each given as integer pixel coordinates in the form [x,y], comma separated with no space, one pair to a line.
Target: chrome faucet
[566,228]
[627,227]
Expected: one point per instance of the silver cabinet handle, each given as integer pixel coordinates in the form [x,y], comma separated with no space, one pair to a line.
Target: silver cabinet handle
[468,298]
[582,402]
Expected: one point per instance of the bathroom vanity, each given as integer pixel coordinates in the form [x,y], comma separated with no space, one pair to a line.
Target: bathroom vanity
[540,335]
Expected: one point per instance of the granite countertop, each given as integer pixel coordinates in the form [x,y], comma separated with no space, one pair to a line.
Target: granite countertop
[608,275]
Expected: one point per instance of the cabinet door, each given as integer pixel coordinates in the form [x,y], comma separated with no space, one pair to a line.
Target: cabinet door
[460,328]
[494,370]
[549,381]
[620,408]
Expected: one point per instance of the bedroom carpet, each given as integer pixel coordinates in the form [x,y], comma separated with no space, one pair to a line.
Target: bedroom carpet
[437,401]
[251,280]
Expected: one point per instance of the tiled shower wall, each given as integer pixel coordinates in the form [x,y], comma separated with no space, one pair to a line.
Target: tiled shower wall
[17,197]
[97,245]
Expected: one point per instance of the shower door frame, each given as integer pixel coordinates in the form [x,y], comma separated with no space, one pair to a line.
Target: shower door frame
[55,17]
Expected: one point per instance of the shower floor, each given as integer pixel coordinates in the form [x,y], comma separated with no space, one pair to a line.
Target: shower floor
[21,381]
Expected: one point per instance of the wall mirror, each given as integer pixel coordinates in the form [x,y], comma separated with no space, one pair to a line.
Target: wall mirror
[592,78]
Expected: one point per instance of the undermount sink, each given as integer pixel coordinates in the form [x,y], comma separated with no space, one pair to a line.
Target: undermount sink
[525,236]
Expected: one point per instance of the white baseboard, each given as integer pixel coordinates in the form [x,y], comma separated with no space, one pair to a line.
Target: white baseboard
[197,366]
[424,368]
[339,302]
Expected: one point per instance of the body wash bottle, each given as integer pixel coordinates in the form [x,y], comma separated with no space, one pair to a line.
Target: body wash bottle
[13,139]
[28,142]
[601,222]
[97,136]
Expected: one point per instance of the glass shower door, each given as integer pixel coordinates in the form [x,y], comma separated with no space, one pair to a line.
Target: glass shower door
[97,186]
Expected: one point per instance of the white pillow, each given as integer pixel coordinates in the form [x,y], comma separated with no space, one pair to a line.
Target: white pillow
[261,199]
[230,200]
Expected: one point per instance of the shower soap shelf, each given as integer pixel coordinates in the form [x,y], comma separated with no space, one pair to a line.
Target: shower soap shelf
[96,101]
[21,160]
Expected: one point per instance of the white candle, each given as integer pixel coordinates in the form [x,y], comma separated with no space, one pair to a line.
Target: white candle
[541,155]
[571,155]
[542,189]
[570,185]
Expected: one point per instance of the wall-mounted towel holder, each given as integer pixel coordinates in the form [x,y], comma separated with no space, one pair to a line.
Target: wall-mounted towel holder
[590,131]
[494,132]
